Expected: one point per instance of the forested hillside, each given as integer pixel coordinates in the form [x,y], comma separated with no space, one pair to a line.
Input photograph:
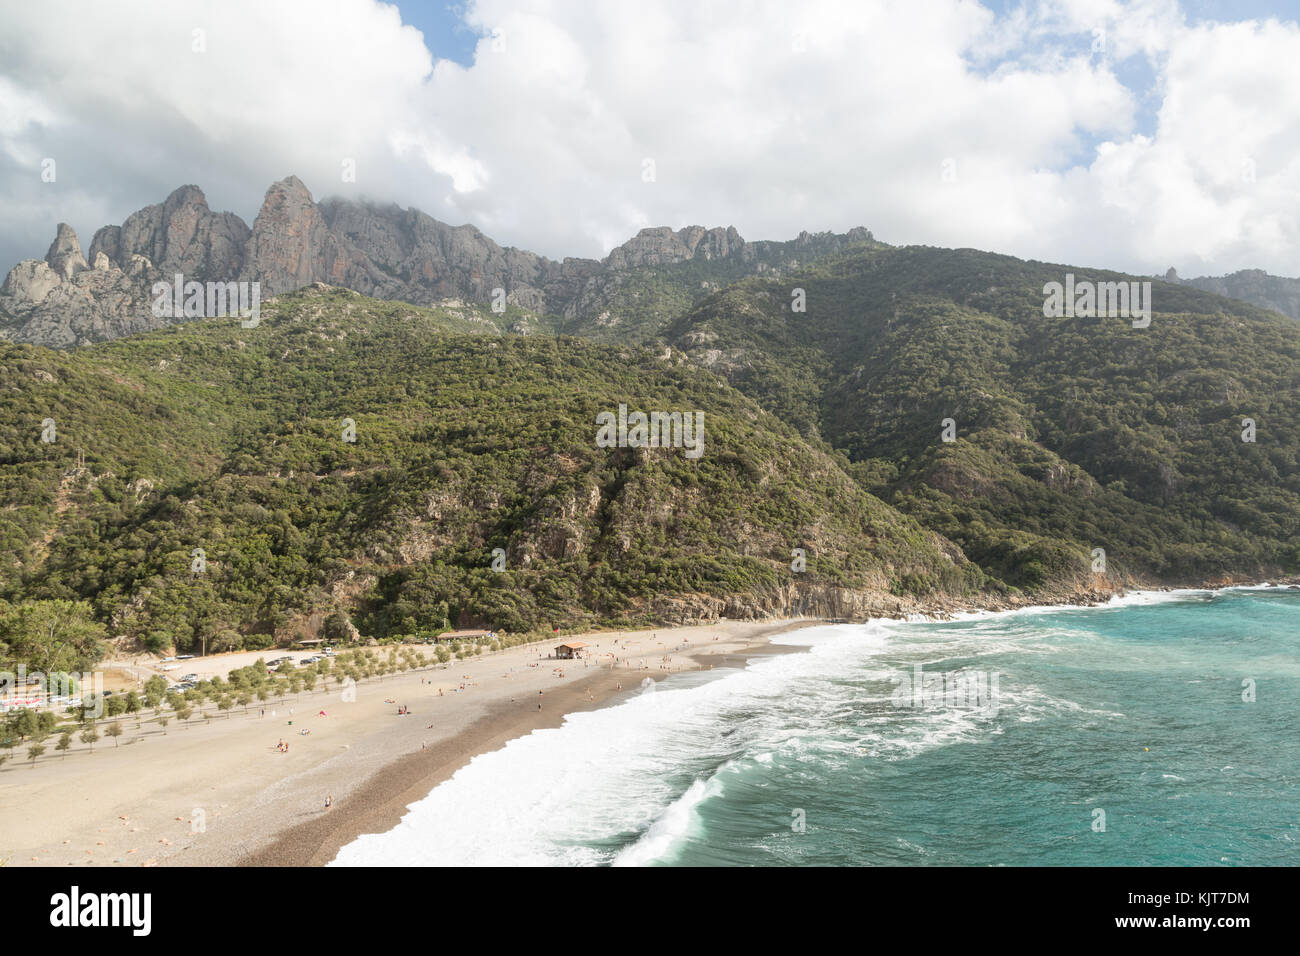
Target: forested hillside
[1071,433]
[232,441]
[354,467]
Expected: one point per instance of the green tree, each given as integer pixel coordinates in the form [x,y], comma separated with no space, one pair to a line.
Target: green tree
[155,689]
[337,628]
[51,636]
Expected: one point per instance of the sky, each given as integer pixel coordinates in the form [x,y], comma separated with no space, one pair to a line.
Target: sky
[1128,134]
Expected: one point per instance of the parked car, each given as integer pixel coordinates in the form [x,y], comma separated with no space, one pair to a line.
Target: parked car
[190,657]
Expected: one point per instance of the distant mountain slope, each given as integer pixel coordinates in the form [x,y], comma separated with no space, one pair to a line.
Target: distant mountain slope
[231,440]
[380,251]
[1255,286]
[1073,433]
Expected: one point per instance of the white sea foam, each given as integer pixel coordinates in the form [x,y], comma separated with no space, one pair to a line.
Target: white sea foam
[674,825]
[626,784]
[603,775]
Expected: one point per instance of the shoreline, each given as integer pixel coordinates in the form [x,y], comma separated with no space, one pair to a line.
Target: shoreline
[219,791]
[259,807]
[385,798]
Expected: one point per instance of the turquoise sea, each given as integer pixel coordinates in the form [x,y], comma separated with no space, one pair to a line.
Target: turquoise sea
[1162,729]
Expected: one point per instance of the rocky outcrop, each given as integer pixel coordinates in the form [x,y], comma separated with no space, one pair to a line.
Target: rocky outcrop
[662,246]
[64,255]
[61,301]
[394,253]
[181,234]
[382,251]
[830,603]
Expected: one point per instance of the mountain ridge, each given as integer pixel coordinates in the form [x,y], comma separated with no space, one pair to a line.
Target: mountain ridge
[379,250]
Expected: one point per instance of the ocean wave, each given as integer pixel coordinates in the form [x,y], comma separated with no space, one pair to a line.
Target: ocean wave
[674,825]
[640,782]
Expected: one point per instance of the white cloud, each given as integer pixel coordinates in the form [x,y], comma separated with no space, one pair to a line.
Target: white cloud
[764,115]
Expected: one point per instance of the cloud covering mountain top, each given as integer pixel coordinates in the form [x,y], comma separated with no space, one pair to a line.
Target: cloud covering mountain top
[1092,131]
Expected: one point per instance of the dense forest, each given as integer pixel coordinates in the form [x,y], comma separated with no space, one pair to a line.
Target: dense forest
[355,466]
[1071,433]
[368,469]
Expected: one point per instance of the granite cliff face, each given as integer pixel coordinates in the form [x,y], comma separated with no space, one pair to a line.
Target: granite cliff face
[382,251]
[180,234]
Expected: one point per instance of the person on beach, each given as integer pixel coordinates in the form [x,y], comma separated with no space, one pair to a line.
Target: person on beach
[329,801]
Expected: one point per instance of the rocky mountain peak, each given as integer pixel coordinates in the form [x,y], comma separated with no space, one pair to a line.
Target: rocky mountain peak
[379,250]
[291,244]
[660,245]
[64,255]
[180,234]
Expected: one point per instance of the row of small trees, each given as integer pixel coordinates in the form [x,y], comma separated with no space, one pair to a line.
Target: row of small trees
[241,687]
[39,727]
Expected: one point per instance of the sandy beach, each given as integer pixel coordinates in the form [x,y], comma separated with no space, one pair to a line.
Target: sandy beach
[219,792]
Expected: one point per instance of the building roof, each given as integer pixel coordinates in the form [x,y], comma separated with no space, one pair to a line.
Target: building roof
[573,645]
